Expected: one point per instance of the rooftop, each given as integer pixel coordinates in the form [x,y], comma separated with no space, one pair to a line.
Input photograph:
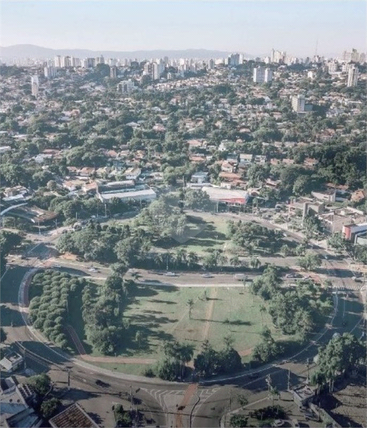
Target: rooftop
[72,417]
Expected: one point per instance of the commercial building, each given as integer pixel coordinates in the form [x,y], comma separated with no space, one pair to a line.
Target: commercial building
[229,198]
[125,191]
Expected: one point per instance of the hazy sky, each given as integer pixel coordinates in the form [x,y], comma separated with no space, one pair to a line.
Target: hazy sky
[253,27]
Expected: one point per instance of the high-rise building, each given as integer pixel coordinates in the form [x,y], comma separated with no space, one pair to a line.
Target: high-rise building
[258,74]
[100,60]
[353,56]
[34,85]
[57,61]
[333,67]
[262,75]
[126,86]
[211,64]
[49,72]
[277,56]
[113,72]
[112,62]
[268,76]
[352,76]
[298,103]
[234,60]
[65,62]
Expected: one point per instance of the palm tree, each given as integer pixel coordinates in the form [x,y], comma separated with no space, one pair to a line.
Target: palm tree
[228,341]
[181,256]
[235,261]
[273,392]
[159,259]
[254,263]
[192,259]
[190,304]
[186,354]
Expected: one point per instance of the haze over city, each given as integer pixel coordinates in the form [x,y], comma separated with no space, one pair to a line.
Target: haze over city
[254,27]
[183,214]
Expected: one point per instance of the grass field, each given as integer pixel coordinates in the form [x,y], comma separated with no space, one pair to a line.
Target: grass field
[162,313]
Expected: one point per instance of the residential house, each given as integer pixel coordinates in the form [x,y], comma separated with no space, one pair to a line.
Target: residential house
[228,167]
[327,195]
[132,173]
[245,159]
[200,177]
[358,196]
[260,159]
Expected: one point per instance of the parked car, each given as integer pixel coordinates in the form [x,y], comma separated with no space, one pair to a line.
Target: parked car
[207,275]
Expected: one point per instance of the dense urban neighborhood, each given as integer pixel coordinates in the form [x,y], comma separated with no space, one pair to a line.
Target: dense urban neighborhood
[183,241]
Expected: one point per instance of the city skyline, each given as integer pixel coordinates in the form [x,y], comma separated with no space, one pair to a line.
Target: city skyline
[298,27]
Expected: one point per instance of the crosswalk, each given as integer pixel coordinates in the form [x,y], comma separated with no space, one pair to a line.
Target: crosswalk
[161,395]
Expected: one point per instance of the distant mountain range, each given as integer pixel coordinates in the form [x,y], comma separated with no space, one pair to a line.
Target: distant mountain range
[38,52]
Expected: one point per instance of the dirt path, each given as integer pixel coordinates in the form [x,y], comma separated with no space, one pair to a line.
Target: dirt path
[209,313]
[119,360]
[190,391]
[245,352]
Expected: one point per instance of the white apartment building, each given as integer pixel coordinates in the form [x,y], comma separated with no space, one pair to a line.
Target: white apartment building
[259,75]
[34,85]
[352,76]
[49,72]
[126,86]
[268,77]
[298,103]
[57,61]
[262,75]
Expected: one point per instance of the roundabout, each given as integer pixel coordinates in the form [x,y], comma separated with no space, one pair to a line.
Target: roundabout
[165,396]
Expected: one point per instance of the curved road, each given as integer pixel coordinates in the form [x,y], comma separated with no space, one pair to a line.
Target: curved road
[204,405]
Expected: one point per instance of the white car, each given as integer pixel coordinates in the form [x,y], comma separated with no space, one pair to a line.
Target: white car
[171,274]
[207,275]
[92,269]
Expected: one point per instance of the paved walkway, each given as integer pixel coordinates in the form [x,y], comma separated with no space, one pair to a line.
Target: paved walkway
[209,313]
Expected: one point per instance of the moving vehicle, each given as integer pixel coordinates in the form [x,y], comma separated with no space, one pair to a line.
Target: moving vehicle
[171,274]
[207,275]
[103,384]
